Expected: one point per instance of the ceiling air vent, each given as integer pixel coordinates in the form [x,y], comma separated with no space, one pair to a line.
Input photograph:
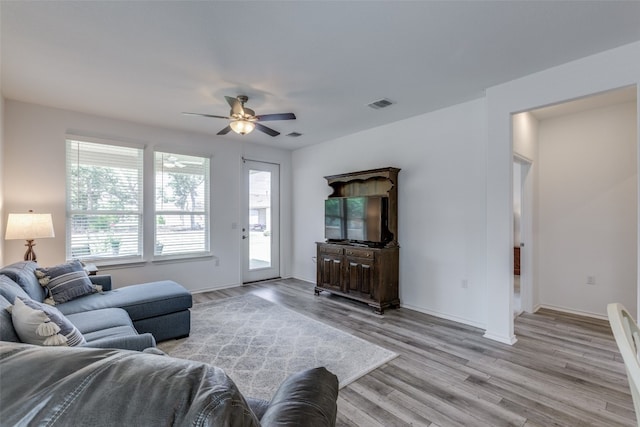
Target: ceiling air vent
[381,103]
[294,134]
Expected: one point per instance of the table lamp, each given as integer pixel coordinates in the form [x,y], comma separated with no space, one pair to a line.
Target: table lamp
[29,226]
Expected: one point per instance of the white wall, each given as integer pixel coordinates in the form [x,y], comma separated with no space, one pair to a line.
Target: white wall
[587,212]
[2,180]
[441,204]
[444,184]
[525,136]
[455,188]
[597,73]
[34,177]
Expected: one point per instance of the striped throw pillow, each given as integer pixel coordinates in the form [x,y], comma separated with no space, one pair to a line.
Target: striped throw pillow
[41,324]
[65,282]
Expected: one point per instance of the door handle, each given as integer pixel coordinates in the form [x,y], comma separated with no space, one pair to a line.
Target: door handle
[244,237]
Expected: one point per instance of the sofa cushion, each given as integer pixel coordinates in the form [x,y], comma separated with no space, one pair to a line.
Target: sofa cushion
[95,320]
[140,301]
[65,282]
[96,387]
[166,327]
[106,322]
[40,324]
[125,342]
[114,331]
[7,331]
[258,406]
[10,289]
[23,273]
[306,398]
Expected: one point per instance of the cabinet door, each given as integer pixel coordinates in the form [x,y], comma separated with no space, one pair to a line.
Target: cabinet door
[330,271]
[359,276]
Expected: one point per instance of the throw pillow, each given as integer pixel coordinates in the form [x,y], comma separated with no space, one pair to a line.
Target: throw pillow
[7,331]
[23,273]
[41,324]
[10,289]
[65,282]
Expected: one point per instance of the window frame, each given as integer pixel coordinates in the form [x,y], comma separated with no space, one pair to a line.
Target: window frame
[205,213]
[102,259]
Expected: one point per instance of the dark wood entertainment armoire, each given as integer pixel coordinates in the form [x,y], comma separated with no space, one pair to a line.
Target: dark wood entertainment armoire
[366,274]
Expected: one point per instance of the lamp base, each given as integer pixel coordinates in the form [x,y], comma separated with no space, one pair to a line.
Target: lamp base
[30,255]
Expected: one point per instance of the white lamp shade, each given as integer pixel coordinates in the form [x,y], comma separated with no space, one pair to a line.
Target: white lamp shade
[242,127]
[29,226]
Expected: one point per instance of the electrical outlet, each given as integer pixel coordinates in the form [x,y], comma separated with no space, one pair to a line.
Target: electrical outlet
[591,280]
[465,283]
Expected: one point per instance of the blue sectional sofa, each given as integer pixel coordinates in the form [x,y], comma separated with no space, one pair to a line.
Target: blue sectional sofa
[133,317]
[70,384]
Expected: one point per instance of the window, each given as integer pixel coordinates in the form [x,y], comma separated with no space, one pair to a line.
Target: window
[104,201]
[182,204]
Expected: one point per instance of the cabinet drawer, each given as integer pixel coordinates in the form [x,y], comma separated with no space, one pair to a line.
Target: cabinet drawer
[362,253]
[334,250]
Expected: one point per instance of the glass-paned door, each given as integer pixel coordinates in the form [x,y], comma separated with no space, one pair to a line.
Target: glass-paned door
[260,228]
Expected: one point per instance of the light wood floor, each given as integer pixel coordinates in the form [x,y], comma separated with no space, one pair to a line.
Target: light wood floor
[565,370]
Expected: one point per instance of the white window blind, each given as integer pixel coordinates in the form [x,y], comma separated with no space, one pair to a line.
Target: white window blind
[104,201]
[181,204]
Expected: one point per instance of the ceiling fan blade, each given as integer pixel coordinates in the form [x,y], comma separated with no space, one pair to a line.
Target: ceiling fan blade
[236,106]
[205,115]
[225,131]
[281,116]
[268,131]
[231,100]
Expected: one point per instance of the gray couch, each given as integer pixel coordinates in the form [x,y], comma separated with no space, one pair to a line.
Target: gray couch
[133,317]
[105,387]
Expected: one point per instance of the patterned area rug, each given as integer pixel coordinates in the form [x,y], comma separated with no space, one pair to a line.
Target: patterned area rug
[259,343]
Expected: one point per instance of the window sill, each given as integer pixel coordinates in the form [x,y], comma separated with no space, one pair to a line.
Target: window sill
[167,259]
[103,264]
[116,264]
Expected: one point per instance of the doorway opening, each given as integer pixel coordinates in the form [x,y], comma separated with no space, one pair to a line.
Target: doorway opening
[261,222]
[522,232]
[585,158]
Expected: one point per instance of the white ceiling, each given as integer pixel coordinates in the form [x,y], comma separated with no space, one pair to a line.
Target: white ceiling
[147,61]
[617,96]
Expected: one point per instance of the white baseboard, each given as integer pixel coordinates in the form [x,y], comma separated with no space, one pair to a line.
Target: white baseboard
[231,285]
[444,316]
[312,281]
[216,288]
[503,339]
[571,311]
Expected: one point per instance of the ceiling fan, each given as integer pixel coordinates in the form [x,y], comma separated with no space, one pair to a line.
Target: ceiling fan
[173,162]
[244,120]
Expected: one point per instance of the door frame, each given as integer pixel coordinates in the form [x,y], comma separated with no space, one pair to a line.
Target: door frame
[249,275]
[526,234]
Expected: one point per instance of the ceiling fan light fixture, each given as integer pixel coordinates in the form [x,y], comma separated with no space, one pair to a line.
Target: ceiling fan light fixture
[242,127]
[244,120]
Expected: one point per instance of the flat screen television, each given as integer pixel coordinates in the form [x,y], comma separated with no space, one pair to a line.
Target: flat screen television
[356,219]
